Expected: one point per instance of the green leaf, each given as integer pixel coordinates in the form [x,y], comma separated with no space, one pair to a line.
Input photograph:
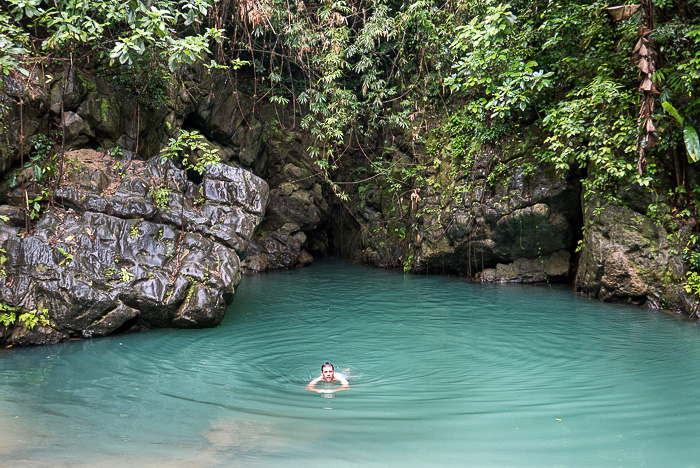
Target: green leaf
[673,112]
[172,63]
[692,145]
[529,65]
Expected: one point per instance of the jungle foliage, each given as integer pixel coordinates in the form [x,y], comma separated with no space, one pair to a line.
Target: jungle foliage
[372,75]
[352,68]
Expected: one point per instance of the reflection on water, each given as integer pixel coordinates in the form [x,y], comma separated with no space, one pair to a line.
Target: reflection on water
[442,374]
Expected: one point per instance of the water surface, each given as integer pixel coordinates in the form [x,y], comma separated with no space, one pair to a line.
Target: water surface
[443,374]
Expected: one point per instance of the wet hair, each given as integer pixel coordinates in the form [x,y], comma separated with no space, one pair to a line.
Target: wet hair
[327,364]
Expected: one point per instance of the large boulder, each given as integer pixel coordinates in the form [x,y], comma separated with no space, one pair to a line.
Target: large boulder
[135,244]
[627,257]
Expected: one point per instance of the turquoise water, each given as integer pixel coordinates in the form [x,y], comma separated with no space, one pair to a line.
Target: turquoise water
[442,374]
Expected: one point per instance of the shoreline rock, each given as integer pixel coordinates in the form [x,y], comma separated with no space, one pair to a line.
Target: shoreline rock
[113,257]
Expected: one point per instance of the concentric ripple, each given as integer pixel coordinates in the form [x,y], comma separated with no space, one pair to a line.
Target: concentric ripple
[442,374]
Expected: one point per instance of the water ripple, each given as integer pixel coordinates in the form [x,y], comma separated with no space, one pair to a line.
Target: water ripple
[442,374]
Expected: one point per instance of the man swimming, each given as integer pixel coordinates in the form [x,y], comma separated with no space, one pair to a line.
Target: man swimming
[328,375]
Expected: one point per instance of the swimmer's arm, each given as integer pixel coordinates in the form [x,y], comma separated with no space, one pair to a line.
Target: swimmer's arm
[345,385]
[312,385]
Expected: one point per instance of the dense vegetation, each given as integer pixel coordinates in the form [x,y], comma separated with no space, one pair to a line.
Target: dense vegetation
[458,74]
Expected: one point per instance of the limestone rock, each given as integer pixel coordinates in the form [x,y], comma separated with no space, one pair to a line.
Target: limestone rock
[553,268]
[117,257]
[626,257]
[281,249]
[68,92]
[111,321]
[39,335]
[76,130]
[516,220]
[29,120]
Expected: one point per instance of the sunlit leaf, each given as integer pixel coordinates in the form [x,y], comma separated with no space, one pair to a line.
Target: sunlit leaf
[692,145]
[673,112]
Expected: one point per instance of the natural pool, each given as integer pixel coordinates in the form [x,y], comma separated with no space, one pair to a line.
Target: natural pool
[442,374]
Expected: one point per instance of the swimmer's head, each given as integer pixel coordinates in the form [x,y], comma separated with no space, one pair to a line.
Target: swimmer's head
[327,371]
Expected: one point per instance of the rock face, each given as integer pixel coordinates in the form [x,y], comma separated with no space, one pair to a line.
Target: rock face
[115,255]
[504,225]
[134,242]
[256,139]
[29,119]
[528,221]
[628,258]
[297,213]
[93,113]
[85,110]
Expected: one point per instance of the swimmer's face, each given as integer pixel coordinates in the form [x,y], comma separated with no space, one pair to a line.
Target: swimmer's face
[327,373]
